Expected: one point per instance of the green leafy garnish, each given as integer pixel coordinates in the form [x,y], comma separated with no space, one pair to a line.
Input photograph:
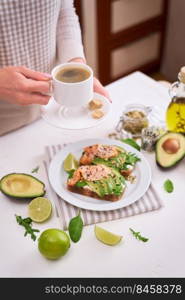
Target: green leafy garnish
[70,173]
[138,236]
[119,162]
[118,190]
[81,183]
[75,228]
[114,162]
[168,186]
[27,223]
[131,159]
[35,170]
[132,143]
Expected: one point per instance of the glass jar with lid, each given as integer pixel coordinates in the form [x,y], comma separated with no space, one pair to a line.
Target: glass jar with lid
[134,118]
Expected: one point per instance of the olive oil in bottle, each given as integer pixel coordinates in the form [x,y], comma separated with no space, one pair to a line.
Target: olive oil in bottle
[175,115]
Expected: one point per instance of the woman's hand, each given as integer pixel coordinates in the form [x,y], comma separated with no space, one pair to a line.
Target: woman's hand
[22,86]
[97,86]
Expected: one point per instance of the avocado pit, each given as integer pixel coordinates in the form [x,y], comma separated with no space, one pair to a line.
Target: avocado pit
[171,146]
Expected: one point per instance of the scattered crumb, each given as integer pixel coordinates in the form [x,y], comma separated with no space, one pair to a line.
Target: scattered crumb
[97,114]
[114,135]
[95,104]
[131,178]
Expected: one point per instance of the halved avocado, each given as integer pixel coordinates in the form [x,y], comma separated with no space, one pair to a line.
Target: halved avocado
[170,149]
[20,185]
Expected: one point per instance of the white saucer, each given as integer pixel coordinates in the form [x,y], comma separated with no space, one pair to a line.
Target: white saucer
[52,114]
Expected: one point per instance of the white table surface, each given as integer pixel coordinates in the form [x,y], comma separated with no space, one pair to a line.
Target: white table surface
[161,256]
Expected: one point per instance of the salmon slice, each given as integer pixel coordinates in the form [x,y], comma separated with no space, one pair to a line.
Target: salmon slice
[89,173]
[98,150]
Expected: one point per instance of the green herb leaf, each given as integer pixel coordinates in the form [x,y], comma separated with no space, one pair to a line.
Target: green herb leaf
[35,170]
[132,143]
[81,183]
[70,173]
[75,228]
[27,223]
[138,236]
[131,159]
[168,186]
[114,162]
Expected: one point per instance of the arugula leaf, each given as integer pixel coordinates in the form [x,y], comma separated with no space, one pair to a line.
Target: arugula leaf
[27,223]
[35,170]
[120,162]
[138,236]
[114,162]
[132,143]
[131,159]
[81,183]
[118,189]
[168,186]
[70,173]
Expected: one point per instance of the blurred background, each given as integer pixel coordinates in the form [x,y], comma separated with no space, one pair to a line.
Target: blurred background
[122,36]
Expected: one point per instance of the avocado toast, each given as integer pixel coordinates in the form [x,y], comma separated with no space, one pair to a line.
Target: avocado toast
[97,181]
[111,156]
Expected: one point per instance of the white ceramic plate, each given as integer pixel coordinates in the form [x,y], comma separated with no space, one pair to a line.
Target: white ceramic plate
[76,121]
[58,178]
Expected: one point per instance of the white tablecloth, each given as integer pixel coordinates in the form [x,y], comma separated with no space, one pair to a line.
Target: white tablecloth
[161,256]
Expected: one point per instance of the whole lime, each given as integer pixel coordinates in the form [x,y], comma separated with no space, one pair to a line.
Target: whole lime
[53,243]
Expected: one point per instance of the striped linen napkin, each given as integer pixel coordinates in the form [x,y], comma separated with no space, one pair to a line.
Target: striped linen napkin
[65,211]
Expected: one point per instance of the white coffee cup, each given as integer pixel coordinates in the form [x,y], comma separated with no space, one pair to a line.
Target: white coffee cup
[76,94]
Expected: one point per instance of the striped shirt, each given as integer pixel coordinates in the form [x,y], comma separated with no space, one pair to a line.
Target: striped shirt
[37,34]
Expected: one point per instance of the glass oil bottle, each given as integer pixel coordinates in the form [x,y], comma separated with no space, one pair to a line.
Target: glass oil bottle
[175,114]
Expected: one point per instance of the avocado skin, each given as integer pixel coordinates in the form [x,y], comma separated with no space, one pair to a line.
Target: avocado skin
[22,196]
[176,158]
[172,166]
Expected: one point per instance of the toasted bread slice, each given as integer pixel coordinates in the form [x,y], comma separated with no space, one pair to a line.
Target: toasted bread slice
[97,181]
[89,193]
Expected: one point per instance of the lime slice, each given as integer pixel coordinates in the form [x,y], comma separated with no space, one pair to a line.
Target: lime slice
[39,209]
[70,163]
[107,237]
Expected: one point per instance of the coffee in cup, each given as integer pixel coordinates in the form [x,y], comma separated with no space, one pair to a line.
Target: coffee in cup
[71,74]
[72,84]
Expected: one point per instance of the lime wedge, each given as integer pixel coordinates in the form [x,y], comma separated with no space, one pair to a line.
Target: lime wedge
[39,209]
[107,237]
[70,163]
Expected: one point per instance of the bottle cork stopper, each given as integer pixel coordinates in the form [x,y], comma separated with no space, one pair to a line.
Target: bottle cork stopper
[182,74]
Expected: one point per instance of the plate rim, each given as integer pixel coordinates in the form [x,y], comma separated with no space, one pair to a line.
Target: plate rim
[93,206]
[97,123]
